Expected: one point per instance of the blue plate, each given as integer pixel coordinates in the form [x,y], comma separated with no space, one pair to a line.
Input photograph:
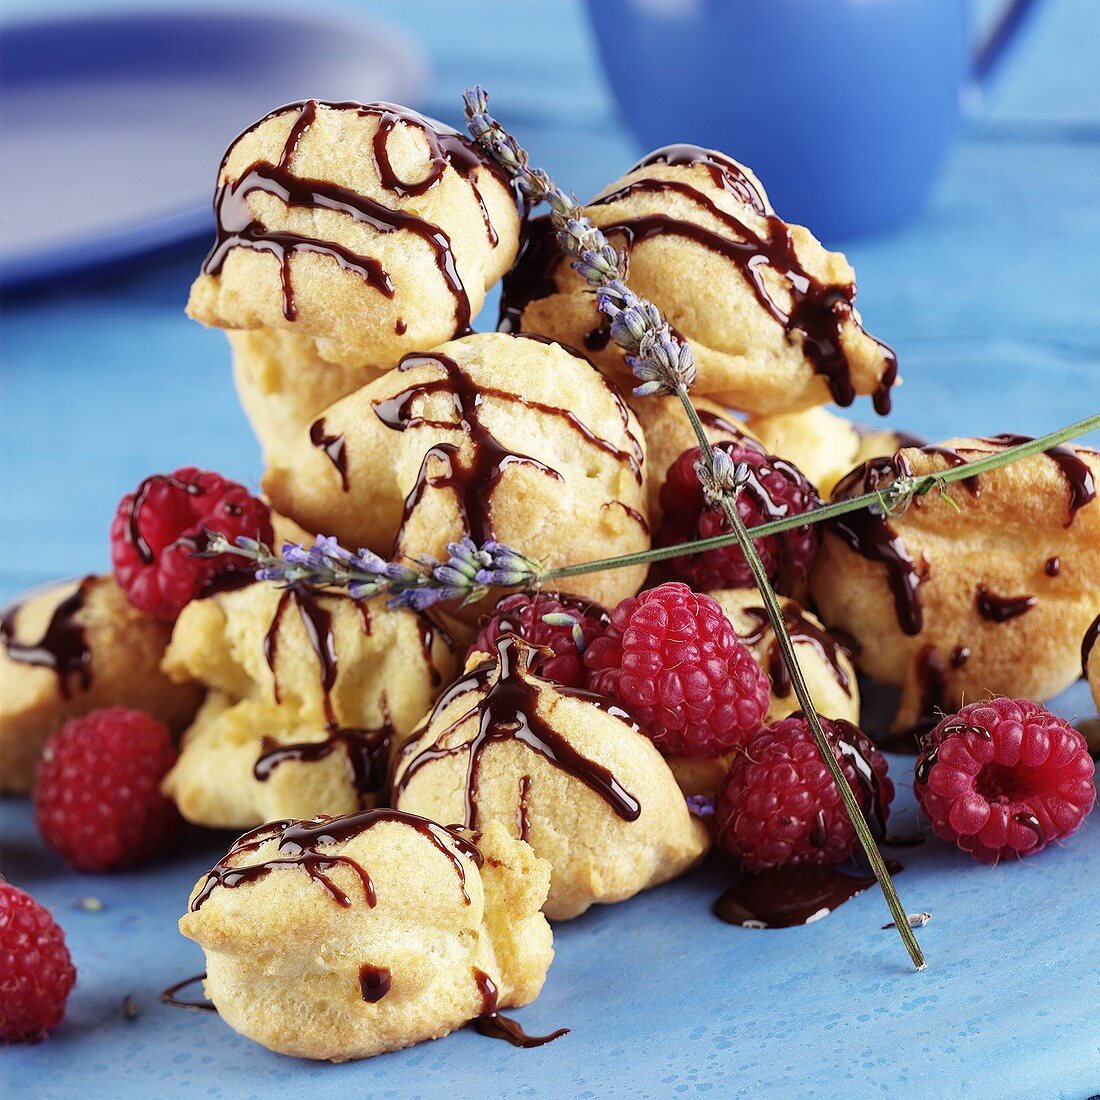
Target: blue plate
[113,123]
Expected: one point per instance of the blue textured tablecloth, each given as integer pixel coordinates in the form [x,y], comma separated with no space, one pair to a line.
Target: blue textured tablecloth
[989,299]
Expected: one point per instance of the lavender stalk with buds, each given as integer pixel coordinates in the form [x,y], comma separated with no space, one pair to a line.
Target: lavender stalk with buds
[663,364]
[467,574]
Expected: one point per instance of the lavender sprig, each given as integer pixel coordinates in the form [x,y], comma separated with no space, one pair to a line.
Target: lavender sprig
[467,574]
[663,363]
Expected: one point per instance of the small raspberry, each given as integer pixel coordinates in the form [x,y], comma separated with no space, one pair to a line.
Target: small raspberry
[36,972]
[159,526]
[97,798]
[1004,778]
[780,806]
[671,657]
[775,488]
[527,616]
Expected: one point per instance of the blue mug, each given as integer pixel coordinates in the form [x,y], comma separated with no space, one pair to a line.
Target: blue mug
[844,108]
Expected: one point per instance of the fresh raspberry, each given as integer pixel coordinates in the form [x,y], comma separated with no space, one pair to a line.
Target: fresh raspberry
[671,657]
[1004,778]
[97,798]
[775,488]
[526,616]
[36,972]
[159,526]
[780,806]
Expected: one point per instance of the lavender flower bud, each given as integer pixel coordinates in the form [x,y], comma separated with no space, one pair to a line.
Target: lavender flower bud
[700,806]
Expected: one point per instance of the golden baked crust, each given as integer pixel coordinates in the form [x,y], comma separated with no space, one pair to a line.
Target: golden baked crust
[496,436]
[821,444]
[371,248]
[991,592]
[111,651]
[607,815]
[306,692]
[668,433]
[290,967]
[726,273]
[283,384]
[825,661]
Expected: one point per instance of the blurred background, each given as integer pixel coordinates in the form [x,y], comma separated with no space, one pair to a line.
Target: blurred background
[950,147]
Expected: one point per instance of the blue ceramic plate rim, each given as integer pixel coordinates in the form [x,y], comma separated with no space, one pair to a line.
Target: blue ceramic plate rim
[103,248]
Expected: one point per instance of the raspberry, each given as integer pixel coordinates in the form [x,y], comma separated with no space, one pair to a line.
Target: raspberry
[780,806]
[97,798]
[159,526]
[1004,778]
[525,616]
[775,488]
[36,972]
[671,657]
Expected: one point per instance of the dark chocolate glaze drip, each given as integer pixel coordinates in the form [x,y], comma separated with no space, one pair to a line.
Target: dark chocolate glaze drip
[873,538]
[366,751]
[829,646]
[531,277]
[63,647]
[318,624]
[506,710]
[1030,821]
[299,841]
[932,679]
[237,228]
[1088,642]
[726,173]
[374,982]
[522,816]
[859,750]
[475,478]
[169,995]
[790,896]
[335,448]
[1078,475]
[1052,566]
[133,529]
[818,311]
[953,459]
[496,1026]
[959,656]
[999,609]
[930,751]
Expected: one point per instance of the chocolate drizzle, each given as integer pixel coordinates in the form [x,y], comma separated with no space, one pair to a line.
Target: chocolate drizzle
[334,446]
[374,982]
[999,609]
[1088,642]
[237,227]
[298,843]
[1078,474]
[872,537]
[1052,566]
[505,707]
[318,623]
[829,646]
[953,459]
[366,752]
[496,1026]
[169,996]
[474,478]
[63,647]
[930,751]
[726,173]
[790,896]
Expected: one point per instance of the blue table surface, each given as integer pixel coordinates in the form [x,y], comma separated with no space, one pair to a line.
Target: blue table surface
[989,299]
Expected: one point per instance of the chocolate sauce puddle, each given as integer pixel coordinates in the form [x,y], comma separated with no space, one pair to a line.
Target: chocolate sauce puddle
[335,448]
[298,843]
[496,1026]
[506,711]
[63,647]
[790,896]
[169,996]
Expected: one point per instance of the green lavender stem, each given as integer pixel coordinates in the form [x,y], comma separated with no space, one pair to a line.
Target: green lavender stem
[663,362]
[893,497]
